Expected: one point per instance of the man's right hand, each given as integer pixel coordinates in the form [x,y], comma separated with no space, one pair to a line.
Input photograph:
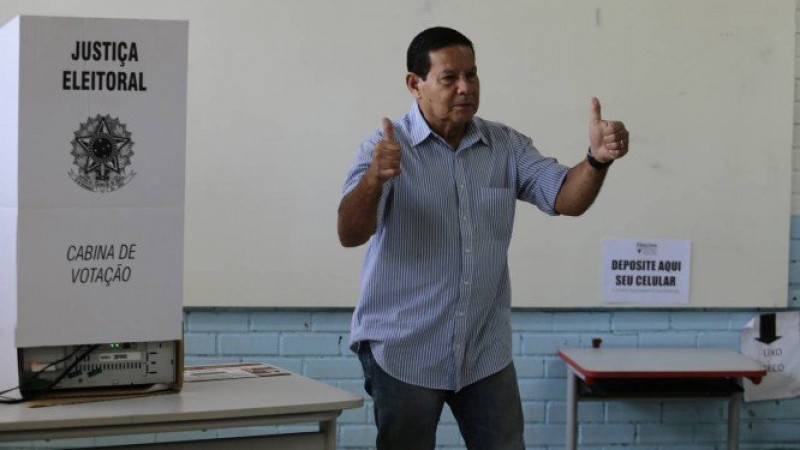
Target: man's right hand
[358,209]
[386,156]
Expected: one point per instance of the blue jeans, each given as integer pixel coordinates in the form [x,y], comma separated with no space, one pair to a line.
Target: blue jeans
[488,412]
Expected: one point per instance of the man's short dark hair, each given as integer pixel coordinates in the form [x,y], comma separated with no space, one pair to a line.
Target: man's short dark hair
[418,60]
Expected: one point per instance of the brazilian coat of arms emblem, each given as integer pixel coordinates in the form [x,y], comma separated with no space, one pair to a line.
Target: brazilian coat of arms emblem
[102,150]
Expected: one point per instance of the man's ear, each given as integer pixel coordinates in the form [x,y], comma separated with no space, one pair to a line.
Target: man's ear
[412,83]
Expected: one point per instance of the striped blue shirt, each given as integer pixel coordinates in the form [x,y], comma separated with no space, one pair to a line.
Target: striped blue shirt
[435,291]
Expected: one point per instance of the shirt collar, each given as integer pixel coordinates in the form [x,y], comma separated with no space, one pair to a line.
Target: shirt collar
[419,129]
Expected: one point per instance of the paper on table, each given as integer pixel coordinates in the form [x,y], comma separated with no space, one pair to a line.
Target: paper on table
[230,371]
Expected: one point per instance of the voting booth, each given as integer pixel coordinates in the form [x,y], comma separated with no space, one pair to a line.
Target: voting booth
[92,174]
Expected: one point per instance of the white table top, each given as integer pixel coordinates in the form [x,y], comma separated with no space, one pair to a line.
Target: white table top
[205,400]
[591,363]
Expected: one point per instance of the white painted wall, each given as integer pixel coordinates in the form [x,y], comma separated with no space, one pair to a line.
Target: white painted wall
[281,93]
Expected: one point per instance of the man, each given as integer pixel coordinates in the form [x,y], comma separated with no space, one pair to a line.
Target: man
[434,194]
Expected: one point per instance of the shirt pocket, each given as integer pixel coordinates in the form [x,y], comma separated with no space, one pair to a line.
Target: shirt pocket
[496,209]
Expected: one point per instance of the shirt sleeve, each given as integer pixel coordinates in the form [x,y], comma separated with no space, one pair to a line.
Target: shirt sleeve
[539,178]
[360,165]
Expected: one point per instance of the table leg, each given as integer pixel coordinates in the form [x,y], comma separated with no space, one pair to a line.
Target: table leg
[733,421]
[572,410]
[328,428]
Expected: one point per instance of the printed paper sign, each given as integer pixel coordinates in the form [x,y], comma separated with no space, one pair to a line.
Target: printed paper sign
[646,271]
[773,339]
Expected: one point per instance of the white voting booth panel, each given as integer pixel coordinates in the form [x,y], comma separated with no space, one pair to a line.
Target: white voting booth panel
[92,174]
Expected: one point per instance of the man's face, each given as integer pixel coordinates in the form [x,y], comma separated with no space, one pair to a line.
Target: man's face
[450,94]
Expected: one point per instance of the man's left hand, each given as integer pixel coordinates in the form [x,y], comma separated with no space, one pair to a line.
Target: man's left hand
[609,139]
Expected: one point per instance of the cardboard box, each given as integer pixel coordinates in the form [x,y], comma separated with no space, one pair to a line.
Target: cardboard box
[92,175]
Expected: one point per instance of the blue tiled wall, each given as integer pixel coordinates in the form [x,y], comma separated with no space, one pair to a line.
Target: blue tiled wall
[314,343]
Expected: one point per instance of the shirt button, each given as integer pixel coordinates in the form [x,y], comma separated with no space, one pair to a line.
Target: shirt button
[463,186]
[461,314]
[466,282]
[464,217]
[467,250]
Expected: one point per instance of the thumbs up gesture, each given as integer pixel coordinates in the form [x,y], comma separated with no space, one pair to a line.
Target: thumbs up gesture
[386,156]
[608,139]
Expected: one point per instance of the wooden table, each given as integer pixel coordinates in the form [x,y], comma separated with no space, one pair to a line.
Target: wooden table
[656,373]
[199,406]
